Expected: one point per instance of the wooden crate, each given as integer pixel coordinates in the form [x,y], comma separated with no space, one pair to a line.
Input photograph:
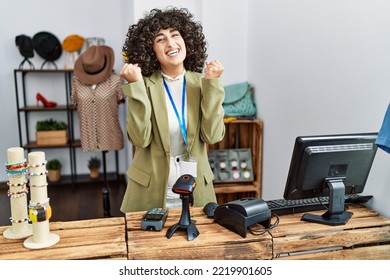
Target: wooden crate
[86,239]
[365,236]
[52,138]
[214,242]
[246,134]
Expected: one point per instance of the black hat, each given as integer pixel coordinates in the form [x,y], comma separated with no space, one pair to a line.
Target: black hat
[47,46]
[25,45]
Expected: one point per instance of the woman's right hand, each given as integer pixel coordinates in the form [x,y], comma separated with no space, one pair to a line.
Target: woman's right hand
[131,73]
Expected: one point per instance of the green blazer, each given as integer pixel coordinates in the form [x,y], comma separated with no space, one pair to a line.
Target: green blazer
[147,129]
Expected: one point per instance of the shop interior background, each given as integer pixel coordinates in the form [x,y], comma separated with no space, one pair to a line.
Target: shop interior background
[318,67]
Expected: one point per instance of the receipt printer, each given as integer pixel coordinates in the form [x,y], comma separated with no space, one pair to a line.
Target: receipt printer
[240,214]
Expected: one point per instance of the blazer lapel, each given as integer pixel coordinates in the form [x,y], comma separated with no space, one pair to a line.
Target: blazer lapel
[157,96]
[193,107]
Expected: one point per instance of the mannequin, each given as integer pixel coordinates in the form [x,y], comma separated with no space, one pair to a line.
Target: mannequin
[97,93]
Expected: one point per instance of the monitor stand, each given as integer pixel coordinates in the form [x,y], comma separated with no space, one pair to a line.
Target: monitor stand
[336,214]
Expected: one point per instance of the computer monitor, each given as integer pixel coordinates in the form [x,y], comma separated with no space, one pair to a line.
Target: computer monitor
[330,165]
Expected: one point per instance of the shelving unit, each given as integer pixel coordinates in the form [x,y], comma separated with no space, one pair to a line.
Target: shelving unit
[24,109]
[241,134]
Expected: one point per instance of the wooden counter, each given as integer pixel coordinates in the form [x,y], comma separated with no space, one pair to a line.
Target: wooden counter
[366,236]
[213,243]
[86,239]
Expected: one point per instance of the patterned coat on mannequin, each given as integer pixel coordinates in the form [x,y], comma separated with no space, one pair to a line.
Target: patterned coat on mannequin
[97,107]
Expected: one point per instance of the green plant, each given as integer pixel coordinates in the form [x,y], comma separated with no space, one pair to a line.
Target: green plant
[94,162]
[53,164]
[48,125]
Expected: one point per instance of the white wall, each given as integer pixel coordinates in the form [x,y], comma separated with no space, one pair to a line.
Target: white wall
[225,28]
[319,66]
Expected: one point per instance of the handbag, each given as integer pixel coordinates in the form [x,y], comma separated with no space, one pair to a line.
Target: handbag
[239,100]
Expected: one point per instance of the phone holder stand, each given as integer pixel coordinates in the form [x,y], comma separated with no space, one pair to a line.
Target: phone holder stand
[184,186]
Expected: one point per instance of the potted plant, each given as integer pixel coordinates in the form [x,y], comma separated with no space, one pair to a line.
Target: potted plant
[51,132]
[53,167]
[94,165]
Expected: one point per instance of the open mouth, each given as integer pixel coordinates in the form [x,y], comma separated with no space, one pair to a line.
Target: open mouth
[173,52]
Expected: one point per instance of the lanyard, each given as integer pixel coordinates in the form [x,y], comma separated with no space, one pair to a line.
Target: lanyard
[181,120]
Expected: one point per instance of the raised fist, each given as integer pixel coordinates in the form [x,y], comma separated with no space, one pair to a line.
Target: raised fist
[131,73]
[213,69]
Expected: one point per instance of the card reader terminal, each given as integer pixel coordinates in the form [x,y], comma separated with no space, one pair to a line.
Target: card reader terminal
[154,219]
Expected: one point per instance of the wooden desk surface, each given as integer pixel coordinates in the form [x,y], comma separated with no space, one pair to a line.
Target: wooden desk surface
[365,236]
[213,243]
[86,239]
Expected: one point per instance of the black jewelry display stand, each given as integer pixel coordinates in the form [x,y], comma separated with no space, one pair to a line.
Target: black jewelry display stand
[185,220]
[106,189]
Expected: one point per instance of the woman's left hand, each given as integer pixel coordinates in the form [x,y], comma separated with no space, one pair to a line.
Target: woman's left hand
[213,69]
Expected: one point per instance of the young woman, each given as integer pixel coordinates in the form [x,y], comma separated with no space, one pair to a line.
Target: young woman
[174,109]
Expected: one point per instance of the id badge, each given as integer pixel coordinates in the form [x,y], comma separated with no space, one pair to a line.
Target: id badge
[188,166]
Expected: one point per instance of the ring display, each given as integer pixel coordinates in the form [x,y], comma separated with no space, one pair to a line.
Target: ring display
[231,165]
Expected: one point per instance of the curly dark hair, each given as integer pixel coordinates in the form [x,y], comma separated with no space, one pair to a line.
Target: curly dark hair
[138,47]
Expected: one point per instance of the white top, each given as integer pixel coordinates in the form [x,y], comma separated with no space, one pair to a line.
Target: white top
[176,89]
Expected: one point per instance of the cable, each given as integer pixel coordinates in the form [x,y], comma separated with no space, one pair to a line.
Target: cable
[317,195]
[319,200]
[260,232]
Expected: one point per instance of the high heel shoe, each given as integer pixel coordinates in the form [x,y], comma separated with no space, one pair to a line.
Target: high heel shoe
[45,102]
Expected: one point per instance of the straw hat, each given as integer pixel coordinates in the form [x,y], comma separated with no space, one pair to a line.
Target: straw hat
[72,43]
[94,65]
